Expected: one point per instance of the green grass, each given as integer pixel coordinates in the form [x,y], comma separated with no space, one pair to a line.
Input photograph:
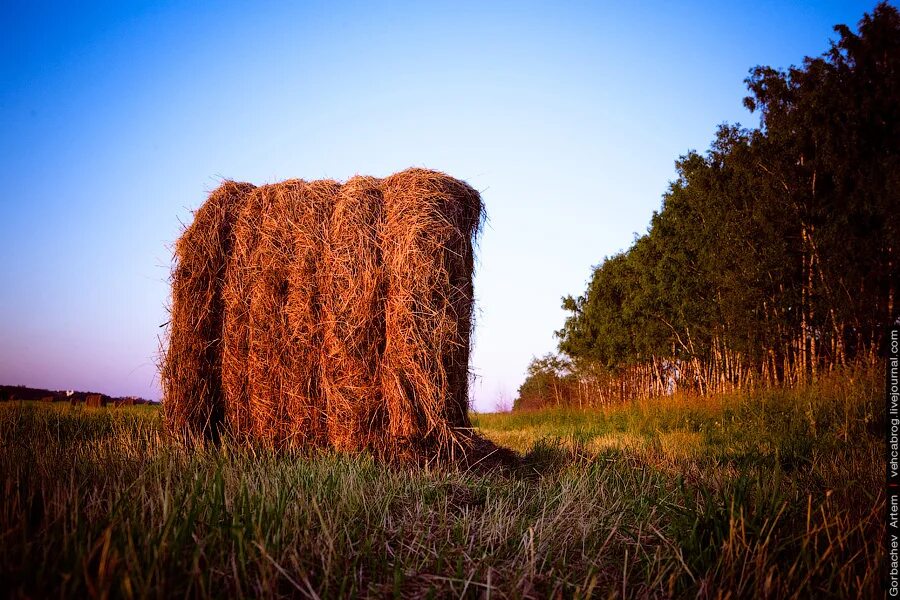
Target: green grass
[774,494]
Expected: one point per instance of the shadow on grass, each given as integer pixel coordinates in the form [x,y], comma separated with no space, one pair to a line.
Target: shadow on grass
[545,457]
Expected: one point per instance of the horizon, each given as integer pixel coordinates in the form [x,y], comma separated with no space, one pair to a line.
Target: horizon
[117,122]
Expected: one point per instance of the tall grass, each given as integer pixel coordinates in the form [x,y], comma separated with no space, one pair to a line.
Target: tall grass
[775,494]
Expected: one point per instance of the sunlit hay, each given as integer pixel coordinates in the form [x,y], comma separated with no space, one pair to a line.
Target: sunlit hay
[353,318]
[240,274]
[192,365]
[273,356]
[303,399]
[431,222]
[274,317]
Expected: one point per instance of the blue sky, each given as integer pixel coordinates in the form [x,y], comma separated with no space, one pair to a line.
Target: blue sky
[116,119]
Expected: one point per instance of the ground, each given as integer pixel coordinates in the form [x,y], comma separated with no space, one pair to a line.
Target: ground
[766,494]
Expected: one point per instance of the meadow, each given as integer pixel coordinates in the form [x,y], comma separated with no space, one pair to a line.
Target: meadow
[776,493]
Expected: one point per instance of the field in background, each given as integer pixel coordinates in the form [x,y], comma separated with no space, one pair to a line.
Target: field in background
[776,494]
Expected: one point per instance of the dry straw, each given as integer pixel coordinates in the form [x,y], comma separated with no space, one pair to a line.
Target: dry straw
[319,314]
[192,369]
[353,317]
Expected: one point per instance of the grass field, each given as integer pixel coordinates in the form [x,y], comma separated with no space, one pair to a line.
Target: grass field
[773,494]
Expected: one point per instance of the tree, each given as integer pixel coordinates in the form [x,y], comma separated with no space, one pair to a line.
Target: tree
[774,254]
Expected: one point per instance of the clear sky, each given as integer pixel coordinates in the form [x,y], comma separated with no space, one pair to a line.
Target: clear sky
[117,118]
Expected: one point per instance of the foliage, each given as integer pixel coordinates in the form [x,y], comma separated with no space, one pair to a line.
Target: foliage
[547,380]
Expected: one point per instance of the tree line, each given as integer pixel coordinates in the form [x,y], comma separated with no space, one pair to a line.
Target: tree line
[773,258]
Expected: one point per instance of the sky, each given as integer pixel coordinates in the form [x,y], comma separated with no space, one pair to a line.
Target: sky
[118,118]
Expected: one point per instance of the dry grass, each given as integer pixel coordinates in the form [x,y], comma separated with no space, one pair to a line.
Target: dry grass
[103,504]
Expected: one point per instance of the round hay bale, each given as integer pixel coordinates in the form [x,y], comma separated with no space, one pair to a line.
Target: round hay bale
[316,314]
[192,366]
[95,401]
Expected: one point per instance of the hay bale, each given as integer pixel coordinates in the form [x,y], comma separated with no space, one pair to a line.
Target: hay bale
[191,372]
[344,314]
[95,401]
